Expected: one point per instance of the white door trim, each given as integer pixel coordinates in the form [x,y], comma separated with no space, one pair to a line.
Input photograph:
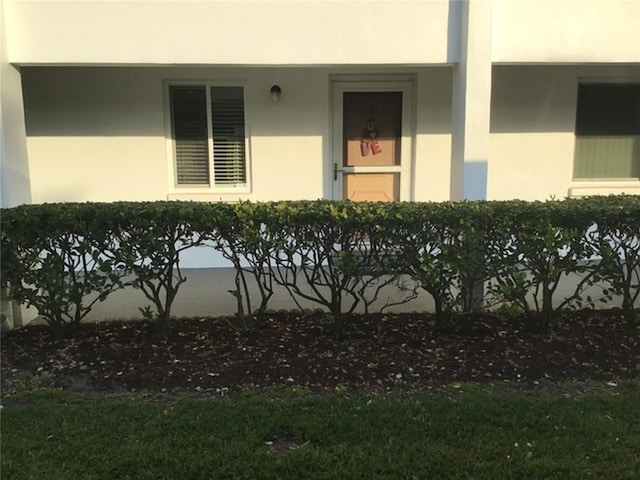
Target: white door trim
[372,84]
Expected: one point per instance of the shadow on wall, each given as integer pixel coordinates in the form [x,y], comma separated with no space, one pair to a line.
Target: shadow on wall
[206,292]
[129,102]
[15,186]
[454,19]
[543,98]
[477,172]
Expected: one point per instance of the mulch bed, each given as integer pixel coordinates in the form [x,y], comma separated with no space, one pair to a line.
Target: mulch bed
[380,353]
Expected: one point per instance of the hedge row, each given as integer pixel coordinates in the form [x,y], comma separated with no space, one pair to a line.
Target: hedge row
[63,258]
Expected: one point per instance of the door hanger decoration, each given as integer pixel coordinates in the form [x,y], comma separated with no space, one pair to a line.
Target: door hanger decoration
[369,142]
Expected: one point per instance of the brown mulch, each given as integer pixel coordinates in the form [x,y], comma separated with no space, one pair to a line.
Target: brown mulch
[380,353]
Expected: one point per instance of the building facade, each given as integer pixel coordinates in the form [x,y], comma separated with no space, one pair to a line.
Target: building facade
[270,100]
[213,100]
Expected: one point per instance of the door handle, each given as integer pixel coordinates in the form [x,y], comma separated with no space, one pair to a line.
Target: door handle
[335,171]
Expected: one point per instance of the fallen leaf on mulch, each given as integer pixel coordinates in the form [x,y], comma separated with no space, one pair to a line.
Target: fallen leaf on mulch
[378,353]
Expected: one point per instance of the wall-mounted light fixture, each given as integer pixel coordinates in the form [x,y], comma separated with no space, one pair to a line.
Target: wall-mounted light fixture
[275,93]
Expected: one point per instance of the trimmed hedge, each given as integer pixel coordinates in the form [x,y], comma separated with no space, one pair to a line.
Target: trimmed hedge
[63,258]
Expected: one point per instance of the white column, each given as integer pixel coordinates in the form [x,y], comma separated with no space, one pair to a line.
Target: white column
[471,106]
[15,186]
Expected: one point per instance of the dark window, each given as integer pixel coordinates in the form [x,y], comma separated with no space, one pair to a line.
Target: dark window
[607,131]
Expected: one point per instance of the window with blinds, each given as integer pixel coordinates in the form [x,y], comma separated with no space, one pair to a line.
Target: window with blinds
[208,129]
[227,112]
[607,132]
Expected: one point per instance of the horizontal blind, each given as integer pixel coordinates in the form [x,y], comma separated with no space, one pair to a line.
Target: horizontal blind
[190,134]
[607,157]
[229,155]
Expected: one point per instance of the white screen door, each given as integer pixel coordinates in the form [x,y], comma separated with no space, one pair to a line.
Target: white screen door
[372,144]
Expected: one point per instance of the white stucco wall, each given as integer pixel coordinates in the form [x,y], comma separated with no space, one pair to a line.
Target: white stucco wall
[432,159]
[567,31]
[14,177]
[232,32]
[533,111]
[93,137]
[315,32]
[98,134]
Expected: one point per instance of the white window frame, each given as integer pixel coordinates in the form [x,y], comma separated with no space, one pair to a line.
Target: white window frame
[211,191]
[601,186]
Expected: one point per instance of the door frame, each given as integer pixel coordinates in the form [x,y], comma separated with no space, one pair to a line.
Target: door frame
[341,85]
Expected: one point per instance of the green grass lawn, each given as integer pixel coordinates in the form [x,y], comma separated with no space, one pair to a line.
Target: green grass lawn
[449,434]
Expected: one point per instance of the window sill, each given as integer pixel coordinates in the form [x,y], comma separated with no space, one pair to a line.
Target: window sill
[604,187]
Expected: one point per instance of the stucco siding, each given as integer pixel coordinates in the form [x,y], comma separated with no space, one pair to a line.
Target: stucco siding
[533,115]
[100,134]
[94,135]
[346,32]
[567,31]
[432,162]
[14,168]
[232,32]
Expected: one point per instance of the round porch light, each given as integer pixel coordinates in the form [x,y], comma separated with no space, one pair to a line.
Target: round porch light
[275,93]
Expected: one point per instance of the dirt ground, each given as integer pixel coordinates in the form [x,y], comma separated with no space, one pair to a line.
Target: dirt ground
[375,354]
